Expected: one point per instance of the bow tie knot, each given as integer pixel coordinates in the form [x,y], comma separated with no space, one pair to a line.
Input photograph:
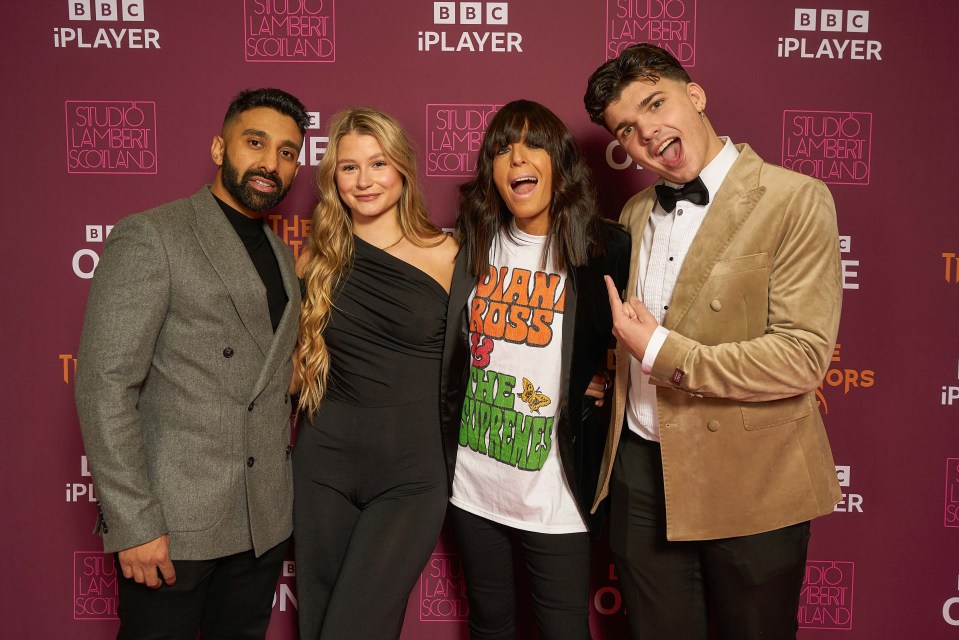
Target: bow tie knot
[694,192]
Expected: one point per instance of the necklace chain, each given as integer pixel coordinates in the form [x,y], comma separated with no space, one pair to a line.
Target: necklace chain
[386,248]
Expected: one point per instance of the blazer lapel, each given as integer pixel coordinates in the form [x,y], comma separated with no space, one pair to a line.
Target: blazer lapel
[229,258]
[289,324]
[732,206]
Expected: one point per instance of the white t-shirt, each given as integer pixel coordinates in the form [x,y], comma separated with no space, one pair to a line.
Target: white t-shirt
[508,468]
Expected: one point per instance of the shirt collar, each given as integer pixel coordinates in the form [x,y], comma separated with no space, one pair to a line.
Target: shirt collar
[715,172]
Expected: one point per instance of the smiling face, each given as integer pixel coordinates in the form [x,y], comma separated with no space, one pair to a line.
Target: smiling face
[523,175]
[366,180]
[257,155]
[661,127]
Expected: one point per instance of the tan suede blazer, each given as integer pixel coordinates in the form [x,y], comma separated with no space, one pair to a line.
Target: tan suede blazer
[753,322]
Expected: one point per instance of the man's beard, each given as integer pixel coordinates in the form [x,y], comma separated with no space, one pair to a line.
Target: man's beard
[245,194]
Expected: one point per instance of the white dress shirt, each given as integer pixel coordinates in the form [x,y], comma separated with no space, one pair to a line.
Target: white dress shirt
[666,241]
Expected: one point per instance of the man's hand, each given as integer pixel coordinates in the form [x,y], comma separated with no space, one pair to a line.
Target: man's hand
[633,324]
[597,388]
[142,562]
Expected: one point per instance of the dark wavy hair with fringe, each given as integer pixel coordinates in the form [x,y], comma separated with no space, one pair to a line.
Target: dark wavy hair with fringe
[576,230]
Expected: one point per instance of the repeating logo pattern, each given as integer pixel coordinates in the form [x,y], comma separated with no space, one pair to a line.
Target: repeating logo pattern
[825,601]
[454,135]
[470,27]
[111,136]
[120,35]
[833,146]
[834,23]
[289,31]
[443,590]
[670,24]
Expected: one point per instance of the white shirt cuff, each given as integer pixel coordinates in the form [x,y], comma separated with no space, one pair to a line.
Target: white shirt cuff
[652,349]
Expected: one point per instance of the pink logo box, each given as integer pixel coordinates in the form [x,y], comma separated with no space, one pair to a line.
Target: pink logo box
[669,24]
[825,601]
[289,31]
[111,136]
[834,146]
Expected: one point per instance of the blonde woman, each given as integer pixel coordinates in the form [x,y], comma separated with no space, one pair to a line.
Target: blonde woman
[369,474]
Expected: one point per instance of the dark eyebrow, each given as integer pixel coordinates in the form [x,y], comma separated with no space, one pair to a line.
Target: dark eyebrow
[642,105]
[259,133]
[649,99]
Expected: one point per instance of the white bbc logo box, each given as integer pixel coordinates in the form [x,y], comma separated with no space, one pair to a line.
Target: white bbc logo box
[470,13]
[832,20]
[106,10]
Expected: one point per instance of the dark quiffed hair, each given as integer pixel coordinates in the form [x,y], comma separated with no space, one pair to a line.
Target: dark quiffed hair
[275,99]
[642,61]
[576,229]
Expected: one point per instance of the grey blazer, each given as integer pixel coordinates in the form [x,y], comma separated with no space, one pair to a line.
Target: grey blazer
[181,386]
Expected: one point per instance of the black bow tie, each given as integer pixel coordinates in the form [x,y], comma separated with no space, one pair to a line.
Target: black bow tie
[694,192]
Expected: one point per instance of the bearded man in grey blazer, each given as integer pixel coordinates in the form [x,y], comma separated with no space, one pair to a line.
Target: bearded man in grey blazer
[717,457]
[182,389]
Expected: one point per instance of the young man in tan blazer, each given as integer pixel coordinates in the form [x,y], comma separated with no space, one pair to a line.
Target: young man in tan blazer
[182,389]
[717,457]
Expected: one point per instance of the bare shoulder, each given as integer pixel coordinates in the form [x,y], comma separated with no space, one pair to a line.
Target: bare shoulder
[301,262]
[447,249]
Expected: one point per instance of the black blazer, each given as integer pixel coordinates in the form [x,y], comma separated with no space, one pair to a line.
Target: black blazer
[587,335]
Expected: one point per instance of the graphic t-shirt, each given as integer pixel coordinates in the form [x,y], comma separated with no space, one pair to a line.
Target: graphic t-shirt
[508,468]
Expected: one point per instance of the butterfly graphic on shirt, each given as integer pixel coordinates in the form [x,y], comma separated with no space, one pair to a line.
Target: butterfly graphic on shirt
[533,397]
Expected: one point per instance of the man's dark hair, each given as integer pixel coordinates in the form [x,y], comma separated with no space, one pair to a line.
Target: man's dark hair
[275,99]
[642,61]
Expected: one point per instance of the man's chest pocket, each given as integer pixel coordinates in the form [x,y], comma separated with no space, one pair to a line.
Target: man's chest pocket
[735,300]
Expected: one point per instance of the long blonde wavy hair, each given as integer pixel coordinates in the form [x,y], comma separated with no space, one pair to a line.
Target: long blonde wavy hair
[330,243]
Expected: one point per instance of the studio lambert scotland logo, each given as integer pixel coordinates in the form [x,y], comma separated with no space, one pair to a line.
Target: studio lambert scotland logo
[825,601]
[94,586]
[454,134]
[833,146]
[105,136]
[443,590]
[669,24]
[952,493]
[123,20]
[289,31]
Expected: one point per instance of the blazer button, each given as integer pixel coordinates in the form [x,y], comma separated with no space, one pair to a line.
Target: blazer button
[713,425]
[716,305]
[228,353]
[250,461]
[250,408]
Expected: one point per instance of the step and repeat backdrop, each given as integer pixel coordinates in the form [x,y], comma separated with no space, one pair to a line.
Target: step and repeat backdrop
[110,107]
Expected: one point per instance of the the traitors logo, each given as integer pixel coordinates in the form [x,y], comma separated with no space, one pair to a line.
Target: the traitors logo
[105,136]
[289,31]
[454,135]
[669,24]
[825,601]
[833,146]
[94,586]
[443,590]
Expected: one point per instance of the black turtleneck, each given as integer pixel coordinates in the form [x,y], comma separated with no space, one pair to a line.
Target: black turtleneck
[253,234]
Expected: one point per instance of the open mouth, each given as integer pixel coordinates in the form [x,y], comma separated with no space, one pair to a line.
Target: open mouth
[670,152]
[523,185]
[262,184]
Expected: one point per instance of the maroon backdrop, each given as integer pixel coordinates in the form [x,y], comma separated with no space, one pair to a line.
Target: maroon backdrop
[110,106]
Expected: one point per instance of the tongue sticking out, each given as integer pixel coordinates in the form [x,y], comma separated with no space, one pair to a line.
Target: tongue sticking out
[522,187]
[672,154]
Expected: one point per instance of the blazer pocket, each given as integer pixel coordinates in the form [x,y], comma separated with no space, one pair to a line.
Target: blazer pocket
[740,264]
[762,415]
